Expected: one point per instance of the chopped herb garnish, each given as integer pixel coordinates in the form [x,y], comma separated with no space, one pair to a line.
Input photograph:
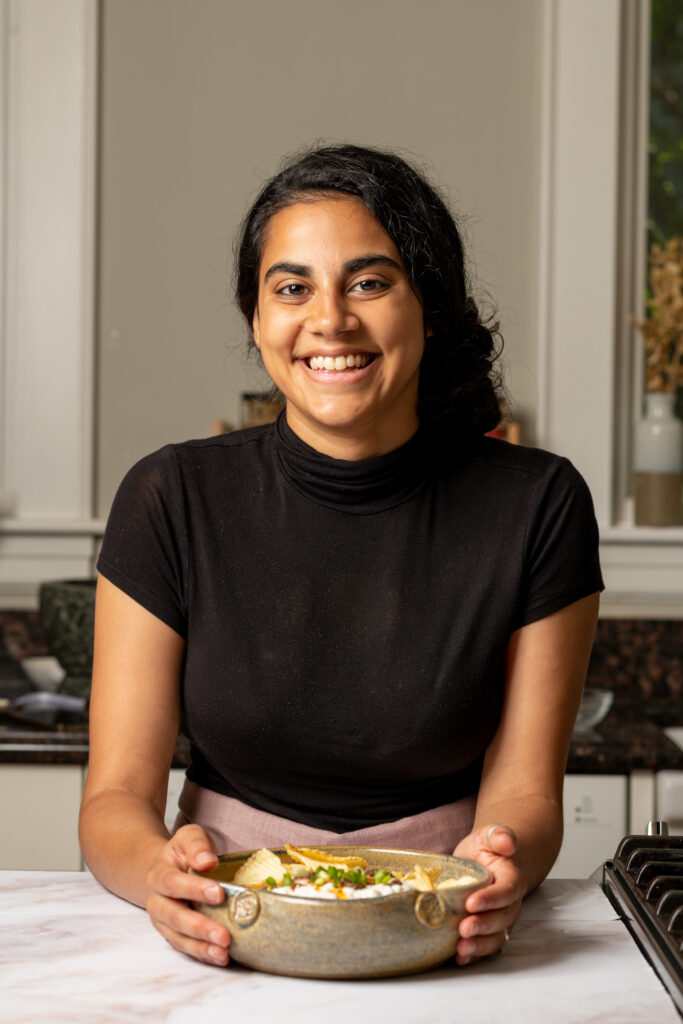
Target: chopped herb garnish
[287,880]
[382,876]
[356,876]
[270,882]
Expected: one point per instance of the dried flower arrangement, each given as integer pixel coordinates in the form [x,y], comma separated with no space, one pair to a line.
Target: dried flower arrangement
[662,330]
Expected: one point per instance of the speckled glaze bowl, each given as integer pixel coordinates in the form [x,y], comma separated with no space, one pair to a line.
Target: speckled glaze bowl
[318,938]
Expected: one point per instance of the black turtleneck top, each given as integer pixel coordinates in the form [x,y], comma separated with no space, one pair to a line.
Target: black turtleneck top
[346,622]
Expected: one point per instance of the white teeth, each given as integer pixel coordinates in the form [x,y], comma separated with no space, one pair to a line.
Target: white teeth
[356,361]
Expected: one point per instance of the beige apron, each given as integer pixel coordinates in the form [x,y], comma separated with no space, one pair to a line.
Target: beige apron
[235,826]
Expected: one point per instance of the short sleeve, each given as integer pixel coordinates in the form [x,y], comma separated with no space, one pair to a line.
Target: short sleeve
[562,561]
[144,551]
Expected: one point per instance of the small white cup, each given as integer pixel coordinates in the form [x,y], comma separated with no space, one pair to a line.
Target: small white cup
[45,672]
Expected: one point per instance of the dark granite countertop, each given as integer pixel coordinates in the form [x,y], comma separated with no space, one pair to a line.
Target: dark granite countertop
[623,745]
[639,660]
[24,742]
[23,745]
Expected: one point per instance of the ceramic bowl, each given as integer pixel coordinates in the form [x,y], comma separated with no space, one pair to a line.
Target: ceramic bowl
[403,933]
[44,671]
[595,703]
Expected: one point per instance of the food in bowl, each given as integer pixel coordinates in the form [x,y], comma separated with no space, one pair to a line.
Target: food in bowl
[314,874]
[412,928]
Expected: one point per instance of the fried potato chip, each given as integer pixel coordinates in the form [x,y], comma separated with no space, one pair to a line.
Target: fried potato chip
[422,879]
[261,865]
[452,883]
[313,859]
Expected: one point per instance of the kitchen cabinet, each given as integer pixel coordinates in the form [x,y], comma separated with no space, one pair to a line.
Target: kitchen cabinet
[176,780]
[595,819]
[40,804]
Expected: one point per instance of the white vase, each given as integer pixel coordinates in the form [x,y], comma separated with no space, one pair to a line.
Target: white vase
[658,463]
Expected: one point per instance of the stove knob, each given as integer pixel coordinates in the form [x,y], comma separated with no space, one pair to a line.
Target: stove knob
[657,828]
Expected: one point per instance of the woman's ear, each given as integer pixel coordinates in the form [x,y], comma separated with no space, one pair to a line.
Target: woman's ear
[255,325]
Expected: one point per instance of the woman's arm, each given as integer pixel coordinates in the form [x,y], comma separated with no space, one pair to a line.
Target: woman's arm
[522,779]
[134,719]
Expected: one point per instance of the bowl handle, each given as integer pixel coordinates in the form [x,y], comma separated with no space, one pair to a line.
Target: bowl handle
[243,909]
[430,909]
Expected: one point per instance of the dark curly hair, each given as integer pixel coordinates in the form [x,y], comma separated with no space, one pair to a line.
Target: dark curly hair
[457,386]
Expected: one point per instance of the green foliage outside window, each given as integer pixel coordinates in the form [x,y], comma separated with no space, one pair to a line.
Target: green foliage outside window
[665,201]
[665,158]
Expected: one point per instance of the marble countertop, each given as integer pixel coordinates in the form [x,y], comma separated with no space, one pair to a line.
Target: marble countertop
[70,951]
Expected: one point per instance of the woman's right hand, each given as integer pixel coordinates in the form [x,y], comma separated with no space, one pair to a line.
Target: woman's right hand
[170,886]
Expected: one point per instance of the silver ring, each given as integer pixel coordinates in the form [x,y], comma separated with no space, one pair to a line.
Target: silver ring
[499,825]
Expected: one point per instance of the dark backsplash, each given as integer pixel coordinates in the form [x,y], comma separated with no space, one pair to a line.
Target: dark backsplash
[21,636]
[640,659]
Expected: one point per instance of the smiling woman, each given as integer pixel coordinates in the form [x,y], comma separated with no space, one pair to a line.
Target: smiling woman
[372,620]
[340,328]
[413,229]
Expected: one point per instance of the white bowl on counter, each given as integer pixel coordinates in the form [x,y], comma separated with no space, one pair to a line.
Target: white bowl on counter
[44,671]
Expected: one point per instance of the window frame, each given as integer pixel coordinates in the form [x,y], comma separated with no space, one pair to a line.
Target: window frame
[593,245]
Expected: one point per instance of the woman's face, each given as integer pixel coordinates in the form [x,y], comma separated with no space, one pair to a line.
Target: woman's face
[339,328]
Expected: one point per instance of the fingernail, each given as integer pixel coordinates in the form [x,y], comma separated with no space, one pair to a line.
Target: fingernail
[217,955]
[217,938]
[205,858]
[213,893]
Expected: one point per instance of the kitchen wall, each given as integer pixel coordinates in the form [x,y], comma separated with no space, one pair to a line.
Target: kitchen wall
[199,101]
[196,102]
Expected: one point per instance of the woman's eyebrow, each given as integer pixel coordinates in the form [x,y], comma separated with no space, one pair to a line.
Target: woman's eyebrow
[350,267]
[371,260]
[298,269]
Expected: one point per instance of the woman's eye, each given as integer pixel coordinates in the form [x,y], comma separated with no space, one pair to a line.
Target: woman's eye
[370,284]
[292,289]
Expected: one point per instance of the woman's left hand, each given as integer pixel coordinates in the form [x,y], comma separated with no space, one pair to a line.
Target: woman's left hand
[493,910]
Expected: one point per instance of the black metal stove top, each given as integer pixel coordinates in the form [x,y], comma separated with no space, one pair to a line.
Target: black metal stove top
[644,883]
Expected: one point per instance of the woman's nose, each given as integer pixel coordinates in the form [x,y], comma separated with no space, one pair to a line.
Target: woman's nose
[329,314]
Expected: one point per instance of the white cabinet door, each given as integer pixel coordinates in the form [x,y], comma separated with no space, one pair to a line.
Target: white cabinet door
[40,816]
[176,780]
[595,819]
[40,804]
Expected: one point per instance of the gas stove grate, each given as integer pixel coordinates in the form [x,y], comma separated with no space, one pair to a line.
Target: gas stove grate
[644,883]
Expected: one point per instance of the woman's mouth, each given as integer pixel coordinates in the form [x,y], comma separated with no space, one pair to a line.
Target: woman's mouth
[337,364]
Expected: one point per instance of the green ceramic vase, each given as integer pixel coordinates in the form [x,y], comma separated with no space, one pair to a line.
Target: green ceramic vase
[67,615]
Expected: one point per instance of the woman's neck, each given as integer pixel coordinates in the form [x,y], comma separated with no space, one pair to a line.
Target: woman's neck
[351,445]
